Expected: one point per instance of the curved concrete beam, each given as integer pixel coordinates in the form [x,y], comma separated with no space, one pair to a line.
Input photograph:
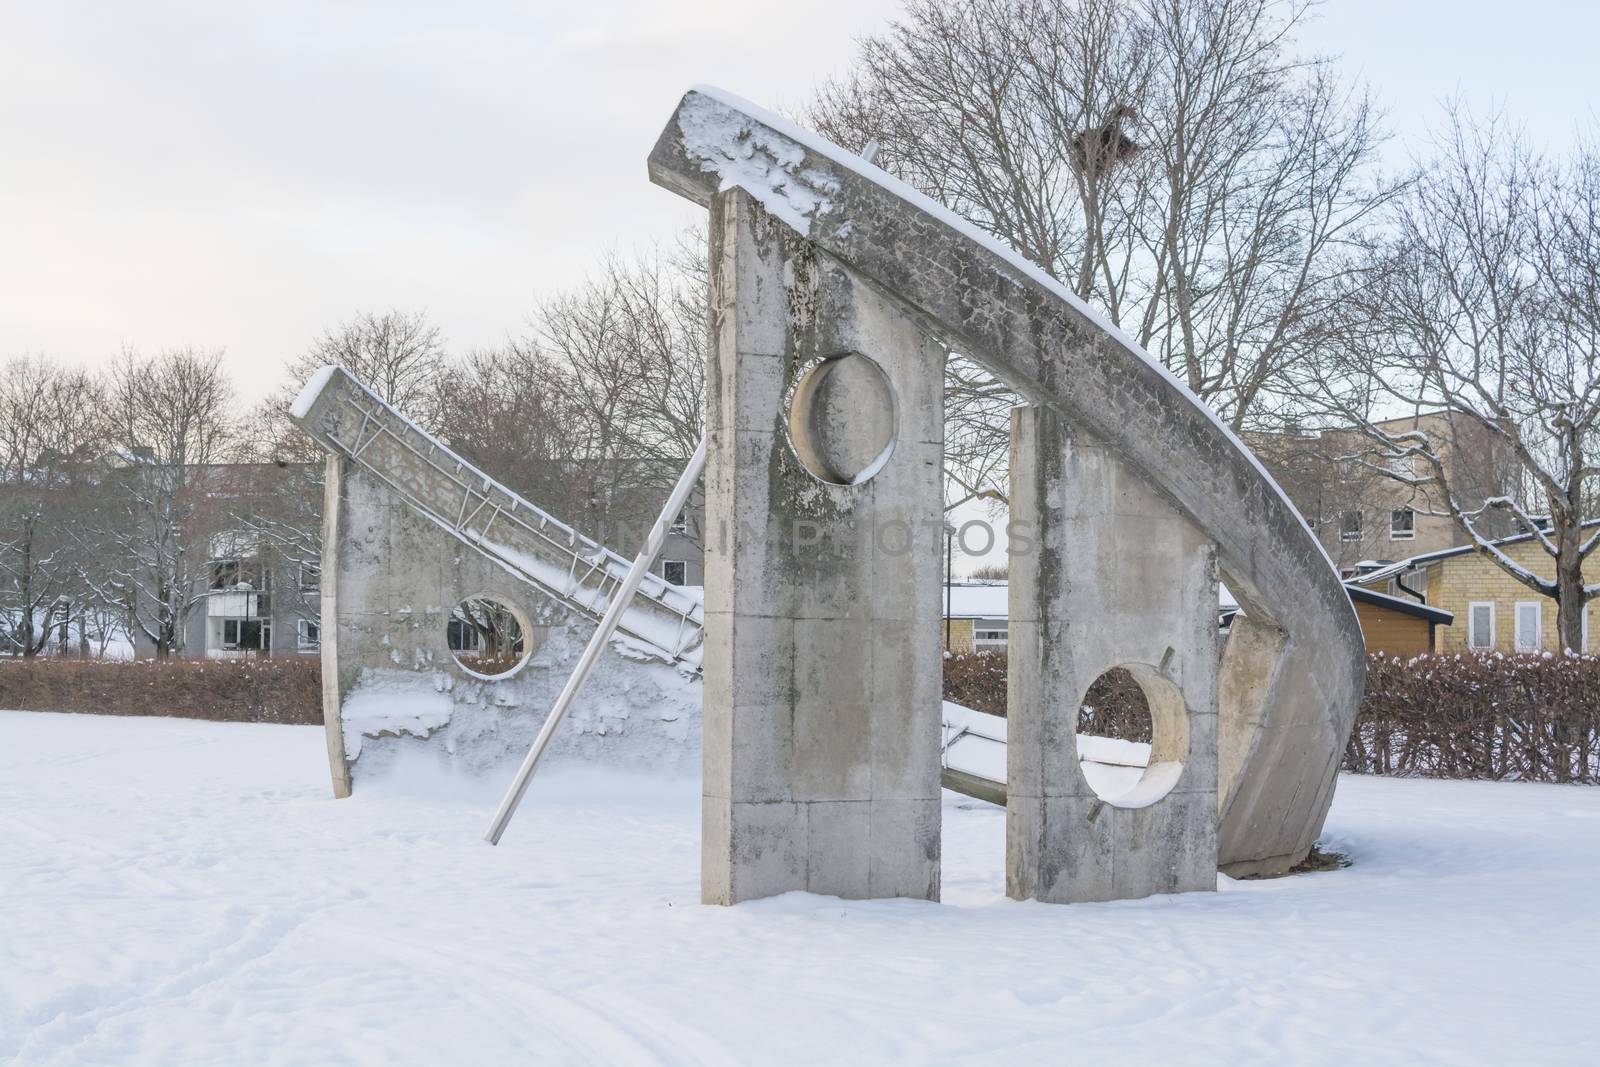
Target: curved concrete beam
[1292,677]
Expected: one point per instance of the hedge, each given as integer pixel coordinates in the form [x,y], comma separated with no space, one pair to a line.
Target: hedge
[231,690]
[1532,717]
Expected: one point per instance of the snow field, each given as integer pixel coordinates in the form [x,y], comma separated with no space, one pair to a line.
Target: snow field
[175,891]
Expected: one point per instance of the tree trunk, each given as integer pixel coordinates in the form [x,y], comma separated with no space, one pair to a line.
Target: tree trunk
[25,587]
[1569,587]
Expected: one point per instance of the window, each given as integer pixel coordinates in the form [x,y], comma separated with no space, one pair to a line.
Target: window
[1527,628]
[1350,525]
[989,633]
[675,571]
[310,576]
[308,634]
[1402,524]
[681,523]
[459,636]
[246,635]
[1480,624]
[1404,466]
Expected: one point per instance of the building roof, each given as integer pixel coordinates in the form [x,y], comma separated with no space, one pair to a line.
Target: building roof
[1383,574]
[988,600]
[1400,604]
[977,600]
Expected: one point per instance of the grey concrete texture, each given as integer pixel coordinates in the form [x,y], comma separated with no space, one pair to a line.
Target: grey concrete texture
[1286,707]
[1119,579]
[487,519]
[397,577]
[821,704]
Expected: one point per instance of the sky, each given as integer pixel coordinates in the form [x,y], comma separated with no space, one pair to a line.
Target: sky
[243,175]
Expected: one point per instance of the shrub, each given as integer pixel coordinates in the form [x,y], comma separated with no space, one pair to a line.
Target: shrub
[232,690]
[1534,717]
[976,680]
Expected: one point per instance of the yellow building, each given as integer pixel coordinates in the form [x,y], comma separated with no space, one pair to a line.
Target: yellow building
[1494,611]
[975,616]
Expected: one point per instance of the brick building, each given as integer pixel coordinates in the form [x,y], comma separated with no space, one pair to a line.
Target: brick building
[1494,611]
[1360,513]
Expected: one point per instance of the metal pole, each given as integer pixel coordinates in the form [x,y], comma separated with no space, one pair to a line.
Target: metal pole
[607,627]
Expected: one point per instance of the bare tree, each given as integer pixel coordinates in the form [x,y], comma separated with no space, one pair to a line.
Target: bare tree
[50,426]
[1483,300]
[630,345]
[169,421]
[594,415]
[1228,175]
[397,354]
[507,410]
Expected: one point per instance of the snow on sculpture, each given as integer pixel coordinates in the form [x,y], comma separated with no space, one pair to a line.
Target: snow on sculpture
[452,608]
[835,293]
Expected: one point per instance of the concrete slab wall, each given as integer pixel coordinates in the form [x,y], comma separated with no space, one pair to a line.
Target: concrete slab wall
[1119,579]
[394,580]
[822,656]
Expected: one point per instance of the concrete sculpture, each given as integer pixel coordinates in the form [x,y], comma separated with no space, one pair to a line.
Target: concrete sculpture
[835,292]
[416,543]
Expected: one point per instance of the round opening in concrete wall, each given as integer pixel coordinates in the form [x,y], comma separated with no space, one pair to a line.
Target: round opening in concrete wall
[1133,736]
[487,638]
[842,419]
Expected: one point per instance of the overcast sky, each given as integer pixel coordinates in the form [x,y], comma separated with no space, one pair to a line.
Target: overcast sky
[242,175]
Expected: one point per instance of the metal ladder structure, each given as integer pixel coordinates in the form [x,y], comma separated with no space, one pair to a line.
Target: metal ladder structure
[349,420]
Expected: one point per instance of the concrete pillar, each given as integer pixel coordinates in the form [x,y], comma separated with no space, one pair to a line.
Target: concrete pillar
[1115,577]
[333,531]
[822,657]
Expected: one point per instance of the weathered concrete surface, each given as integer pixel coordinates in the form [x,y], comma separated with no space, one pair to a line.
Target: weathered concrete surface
[397,576]
[822,668]
[991,305]
[332,695]
[1119,578]
[349,420]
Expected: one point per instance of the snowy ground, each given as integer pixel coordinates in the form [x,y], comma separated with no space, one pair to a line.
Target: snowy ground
[186,892]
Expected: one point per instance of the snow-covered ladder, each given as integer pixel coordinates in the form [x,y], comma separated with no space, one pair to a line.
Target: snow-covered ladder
[349,420]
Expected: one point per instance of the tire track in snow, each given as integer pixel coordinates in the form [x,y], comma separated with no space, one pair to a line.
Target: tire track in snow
[589,1031]
[58,1028]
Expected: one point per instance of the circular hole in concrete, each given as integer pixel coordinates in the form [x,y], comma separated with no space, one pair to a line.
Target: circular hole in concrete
[1133,735]
[842,419]
[488,639]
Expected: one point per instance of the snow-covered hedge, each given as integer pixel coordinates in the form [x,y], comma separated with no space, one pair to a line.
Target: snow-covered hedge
[235,690]
[976,680]
[1533,717]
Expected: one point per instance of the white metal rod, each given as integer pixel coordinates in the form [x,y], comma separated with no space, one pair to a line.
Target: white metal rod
[608,626]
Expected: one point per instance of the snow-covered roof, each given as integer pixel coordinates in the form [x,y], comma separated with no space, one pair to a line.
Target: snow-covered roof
[1400,604]
[977,600]
[1383,574]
